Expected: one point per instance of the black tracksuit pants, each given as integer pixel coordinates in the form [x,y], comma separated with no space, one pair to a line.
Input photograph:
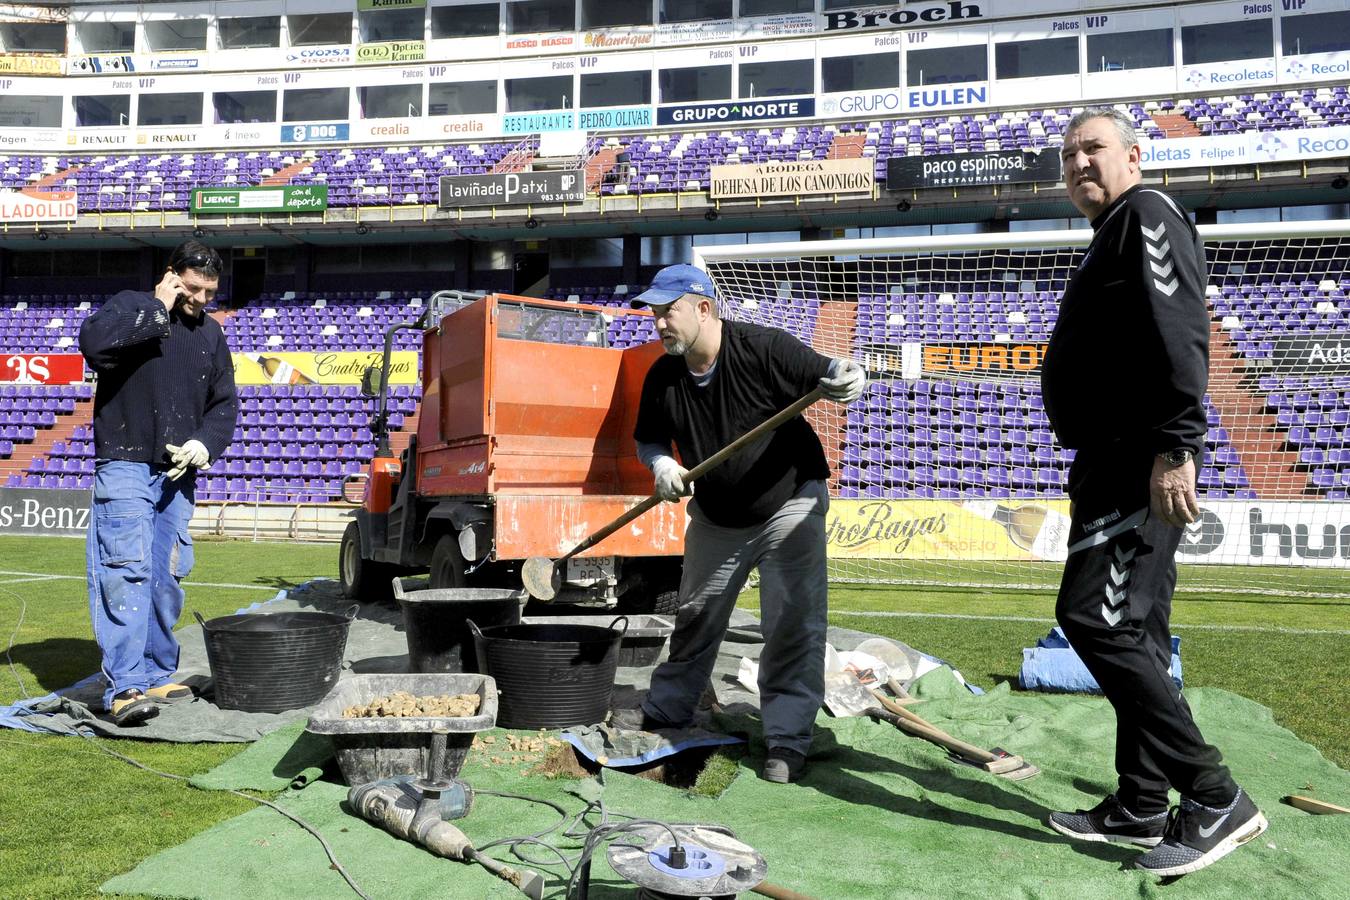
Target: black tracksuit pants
[1114,604]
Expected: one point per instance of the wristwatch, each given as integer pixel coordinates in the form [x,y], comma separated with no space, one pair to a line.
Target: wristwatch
[1178,457]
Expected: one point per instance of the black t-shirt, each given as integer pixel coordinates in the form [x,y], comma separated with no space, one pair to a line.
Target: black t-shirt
[759,372]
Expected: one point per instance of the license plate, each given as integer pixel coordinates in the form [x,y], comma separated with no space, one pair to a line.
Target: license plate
[590,570]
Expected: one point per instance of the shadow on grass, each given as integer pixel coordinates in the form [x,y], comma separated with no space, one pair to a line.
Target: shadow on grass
[57,662]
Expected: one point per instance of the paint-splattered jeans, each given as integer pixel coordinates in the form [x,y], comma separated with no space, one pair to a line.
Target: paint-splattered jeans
[137,552]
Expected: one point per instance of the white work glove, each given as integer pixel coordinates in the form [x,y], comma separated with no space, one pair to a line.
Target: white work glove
[193,453]
[671,478]
[846,383]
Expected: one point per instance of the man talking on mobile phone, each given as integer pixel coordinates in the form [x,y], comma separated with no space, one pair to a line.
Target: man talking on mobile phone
[164,408]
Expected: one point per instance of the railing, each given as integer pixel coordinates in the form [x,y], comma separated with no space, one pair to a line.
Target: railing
[258,519]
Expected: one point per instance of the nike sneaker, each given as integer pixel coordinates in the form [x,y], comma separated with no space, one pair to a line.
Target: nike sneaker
[1110,822]
[1199,836]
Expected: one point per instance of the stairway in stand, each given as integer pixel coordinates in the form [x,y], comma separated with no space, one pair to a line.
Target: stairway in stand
[1175,126]
[1271,469]
[836,319]
[42,443]
[846,146]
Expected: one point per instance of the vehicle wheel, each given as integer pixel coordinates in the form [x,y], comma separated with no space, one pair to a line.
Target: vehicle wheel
[447,564]
[665,603]
[363,580]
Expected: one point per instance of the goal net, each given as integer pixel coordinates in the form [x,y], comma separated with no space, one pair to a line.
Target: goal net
[946,472]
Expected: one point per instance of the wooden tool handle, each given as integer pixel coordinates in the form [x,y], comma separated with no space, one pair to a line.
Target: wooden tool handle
[699,470]
[610,528]
[754,434]
[777,891]
[1313,805]
[907,721]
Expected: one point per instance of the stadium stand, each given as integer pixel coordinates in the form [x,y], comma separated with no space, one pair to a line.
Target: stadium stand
[659,163]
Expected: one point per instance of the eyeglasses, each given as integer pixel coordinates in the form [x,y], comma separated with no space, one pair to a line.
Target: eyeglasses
[201,261]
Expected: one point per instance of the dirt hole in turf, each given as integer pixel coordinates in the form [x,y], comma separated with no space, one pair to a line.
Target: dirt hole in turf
[681,770]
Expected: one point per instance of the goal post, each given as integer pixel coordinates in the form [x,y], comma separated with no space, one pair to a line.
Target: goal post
[946,472]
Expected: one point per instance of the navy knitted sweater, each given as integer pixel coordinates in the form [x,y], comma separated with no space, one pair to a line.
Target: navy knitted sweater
[162,379]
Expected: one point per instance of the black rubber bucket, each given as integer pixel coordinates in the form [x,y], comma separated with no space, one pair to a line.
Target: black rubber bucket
[434,623]
[551,675]
[272,663]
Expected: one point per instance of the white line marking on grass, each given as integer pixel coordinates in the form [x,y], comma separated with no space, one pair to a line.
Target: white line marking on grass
[33,578]
[891,614]
[38,576]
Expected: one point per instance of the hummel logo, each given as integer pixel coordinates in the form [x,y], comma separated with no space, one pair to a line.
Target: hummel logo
[1155,233]
[1160,249]
[1111,616]
[1207,832]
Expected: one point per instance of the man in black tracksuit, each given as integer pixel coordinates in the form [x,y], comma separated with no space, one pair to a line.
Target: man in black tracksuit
[1123,383]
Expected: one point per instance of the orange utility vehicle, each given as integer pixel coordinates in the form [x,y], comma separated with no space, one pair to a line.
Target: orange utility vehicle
[524,447]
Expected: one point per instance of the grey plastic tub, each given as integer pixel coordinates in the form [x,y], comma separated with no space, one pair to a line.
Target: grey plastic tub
[370,749]
[642,642]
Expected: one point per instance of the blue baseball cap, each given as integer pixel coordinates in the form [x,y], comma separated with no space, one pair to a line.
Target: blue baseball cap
[672,283]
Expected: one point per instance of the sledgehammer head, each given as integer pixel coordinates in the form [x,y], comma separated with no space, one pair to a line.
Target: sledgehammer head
[541,578]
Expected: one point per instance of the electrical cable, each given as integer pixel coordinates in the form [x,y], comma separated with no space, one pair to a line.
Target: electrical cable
[23,611]
[327,849]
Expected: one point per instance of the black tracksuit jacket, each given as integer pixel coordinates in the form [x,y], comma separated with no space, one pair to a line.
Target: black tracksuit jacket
[1128,360]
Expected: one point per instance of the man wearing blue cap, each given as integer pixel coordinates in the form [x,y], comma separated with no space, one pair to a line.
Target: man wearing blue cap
[763,508]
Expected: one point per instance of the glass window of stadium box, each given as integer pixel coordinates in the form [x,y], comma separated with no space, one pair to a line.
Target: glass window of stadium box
[778,7]
[947,65]
[102,111]
[330,260]
[1048,224]
[1315,33]
[698,83]
[584,253]
[389,101]
[859,72]
[250,31]
[616,89]
[35,37]
[786,78]
[530,94]
[1036,58]
[169,109]
[1316,212]
[320,28]
[235,107]
[163,35]
[106,37]
[666,250]
[470,20]
[1222,41]
[1122,50]
[536,16]
[28,111]
[461,98]
[608,14]
[315,105]
[392,24]
[694,10]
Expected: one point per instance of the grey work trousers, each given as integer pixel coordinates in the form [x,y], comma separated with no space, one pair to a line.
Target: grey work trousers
[789,550]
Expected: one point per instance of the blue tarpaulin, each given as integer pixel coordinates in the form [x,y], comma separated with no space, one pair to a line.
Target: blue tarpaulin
[1053,666]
